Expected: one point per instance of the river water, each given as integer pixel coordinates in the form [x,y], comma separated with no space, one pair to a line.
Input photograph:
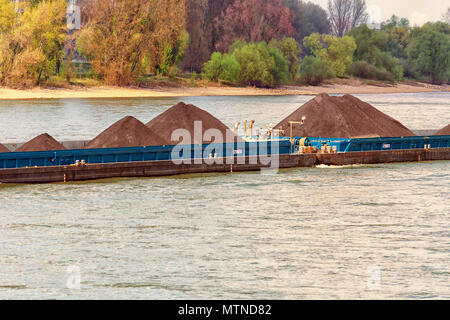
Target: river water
[373,231]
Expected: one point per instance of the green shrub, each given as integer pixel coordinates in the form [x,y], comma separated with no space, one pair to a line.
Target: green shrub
[315,70]
[338,52]
[280,69]
[238,44]
[363,69]
[222,67]
[255,64]
[408,70]
[392,65]
[372,49]
[261,65]
[291,51]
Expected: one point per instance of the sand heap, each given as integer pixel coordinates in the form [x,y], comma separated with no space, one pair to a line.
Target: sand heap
[3,148]
[342,117]
[183,116]
[43,142]
[127,132]
[444,131]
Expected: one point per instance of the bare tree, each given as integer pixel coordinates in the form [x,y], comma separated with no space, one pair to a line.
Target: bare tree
[359,13]
[346,15]
[340,14]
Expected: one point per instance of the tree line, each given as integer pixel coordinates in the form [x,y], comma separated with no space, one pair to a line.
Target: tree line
[337,43]
[262,43]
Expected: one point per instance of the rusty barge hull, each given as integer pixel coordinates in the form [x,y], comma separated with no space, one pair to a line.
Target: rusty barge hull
[145,169]
[392,156]
[169,168]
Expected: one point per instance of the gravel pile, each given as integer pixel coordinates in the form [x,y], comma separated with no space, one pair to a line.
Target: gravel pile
[342,117]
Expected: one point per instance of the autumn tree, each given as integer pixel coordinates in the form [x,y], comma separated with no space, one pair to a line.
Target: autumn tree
[125,39]
[8,22]
[7,16]
[253,21]
[31,41]
[216,9]
[198,49]
[346,15]
[200,21]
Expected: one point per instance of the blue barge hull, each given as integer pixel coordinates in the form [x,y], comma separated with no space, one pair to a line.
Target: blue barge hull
[91,164]
[168,168]
[13,160]
[381,144]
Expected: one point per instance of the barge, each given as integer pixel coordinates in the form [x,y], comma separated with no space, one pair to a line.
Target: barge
[92,164]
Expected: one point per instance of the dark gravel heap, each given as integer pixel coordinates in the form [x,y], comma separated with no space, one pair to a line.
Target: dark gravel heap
[43,142]
[342,117]
[444,131]
[183,116]
[3,149]
[127,132]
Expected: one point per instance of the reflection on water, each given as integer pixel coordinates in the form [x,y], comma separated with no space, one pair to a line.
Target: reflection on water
[378,231]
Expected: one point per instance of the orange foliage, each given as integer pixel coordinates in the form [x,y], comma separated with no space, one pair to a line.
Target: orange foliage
[254,21]
[124,39]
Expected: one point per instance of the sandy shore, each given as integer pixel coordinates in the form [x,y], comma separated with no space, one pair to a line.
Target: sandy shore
[115,92]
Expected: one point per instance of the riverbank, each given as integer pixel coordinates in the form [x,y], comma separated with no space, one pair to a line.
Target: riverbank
[343,87]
